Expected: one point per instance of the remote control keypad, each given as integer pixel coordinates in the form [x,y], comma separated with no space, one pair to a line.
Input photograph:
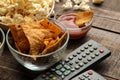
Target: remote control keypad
[78,60]
[89,75]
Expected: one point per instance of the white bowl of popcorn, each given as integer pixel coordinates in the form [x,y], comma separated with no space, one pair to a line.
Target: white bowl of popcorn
[14,11]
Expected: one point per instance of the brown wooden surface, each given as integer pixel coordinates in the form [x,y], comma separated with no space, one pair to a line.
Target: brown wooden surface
[106,30]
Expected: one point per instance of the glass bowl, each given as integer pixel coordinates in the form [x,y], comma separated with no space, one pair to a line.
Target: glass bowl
[2,41]
[43,62]
[74,32]
[5,27]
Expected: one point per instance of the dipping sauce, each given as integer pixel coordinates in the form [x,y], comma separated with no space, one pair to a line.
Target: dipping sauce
[74,30]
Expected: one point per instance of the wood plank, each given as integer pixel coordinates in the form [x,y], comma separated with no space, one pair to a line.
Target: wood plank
[110,40]
[111,5]
[107,24]
[107,15]
[6,74]
[8,60]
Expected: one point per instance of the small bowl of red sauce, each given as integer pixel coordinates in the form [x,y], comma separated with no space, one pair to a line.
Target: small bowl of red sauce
[75,31]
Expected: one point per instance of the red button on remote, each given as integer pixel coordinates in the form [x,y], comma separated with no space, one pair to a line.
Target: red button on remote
[101,51]
[90,72]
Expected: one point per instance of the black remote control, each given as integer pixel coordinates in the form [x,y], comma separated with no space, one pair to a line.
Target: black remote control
[82,58]
[89,75]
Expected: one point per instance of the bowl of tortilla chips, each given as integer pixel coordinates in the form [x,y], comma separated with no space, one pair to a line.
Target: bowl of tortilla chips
[37,45]
[14,11]
[2,41]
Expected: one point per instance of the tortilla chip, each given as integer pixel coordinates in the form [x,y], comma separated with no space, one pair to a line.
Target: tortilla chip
[54,46]
[21,41]
[37,38]
[32,23]
[83,17]
[49,25]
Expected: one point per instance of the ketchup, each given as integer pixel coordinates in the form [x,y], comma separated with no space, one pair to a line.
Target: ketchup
[69,21]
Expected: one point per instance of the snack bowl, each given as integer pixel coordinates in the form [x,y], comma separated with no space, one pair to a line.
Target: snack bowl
[74,32]
[6,21]
[42,62]
[2,41]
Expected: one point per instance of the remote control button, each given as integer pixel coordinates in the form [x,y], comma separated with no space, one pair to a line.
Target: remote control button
[87,53]
[74,55]
[89,58]
[63,69]
[84,55]
[76,62]
[90,72]
[51,76]
[70,63]
[77,67]
[95,48]
[62,76]
[81,64]
[90,44]
[78,52]
[72,69]
[81,78]
[71,57]
[86,75]
[82,49]
[67,60]
[67,67]
[91,50]
[97,54]
[53,69]
[101,51]
[85,62]
[67,72]
[58,72]
[63,62]
[86,47]
[93,56]
[59,66]
[80,58]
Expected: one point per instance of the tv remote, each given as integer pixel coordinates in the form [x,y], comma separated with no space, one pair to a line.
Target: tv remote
[79,60]
[89,75]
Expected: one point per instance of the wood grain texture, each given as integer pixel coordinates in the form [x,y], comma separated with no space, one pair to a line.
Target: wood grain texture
[109,67]
[107,15]
[106,30]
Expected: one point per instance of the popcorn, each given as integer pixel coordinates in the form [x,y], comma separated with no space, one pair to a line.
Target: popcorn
[68,4]
[77,4]
[77,1]
[11,9]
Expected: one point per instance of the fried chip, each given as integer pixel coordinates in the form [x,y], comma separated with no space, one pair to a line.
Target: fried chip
[83,17]
[21,41]
[37,38]
[31,23]
[54,46]
[50,25]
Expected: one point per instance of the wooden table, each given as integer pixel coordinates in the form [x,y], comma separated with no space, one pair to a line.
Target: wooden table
[105,30]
